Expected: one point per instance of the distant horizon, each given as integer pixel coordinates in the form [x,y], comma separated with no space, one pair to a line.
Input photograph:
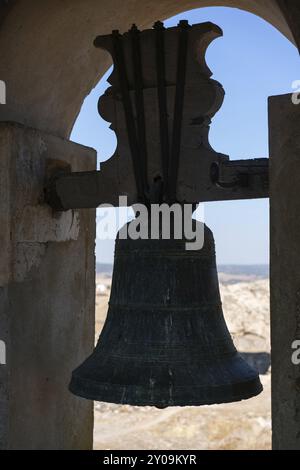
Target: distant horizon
[227,274]
[218,264]
[256,269]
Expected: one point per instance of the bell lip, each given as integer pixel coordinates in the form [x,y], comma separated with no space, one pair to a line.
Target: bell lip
[117,394]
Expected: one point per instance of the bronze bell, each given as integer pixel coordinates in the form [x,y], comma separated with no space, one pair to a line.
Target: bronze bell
[165,341]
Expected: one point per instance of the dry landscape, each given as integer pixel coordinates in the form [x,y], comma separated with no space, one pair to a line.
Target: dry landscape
[243,425]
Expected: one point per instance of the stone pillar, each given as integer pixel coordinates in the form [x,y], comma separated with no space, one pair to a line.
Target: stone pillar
[47,280]
[285,268]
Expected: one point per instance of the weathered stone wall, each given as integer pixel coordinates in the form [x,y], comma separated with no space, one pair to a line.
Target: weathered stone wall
[46,296]
[285,272]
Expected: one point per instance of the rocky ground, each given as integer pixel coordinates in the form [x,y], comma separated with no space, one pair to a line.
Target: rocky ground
[243,425]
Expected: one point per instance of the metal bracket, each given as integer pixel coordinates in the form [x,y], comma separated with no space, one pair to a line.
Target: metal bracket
[237,179]
[238,174]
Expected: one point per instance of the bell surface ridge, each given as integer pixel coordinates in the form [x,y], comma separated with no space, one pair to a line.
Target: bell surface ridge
[165,341]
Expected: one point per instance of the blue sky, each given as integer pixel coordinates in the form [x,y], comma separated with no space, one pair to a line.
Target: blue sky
[252,61]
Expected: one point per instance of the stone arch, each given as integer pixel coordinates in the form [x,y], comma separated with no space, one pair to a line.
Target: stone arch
[47,56]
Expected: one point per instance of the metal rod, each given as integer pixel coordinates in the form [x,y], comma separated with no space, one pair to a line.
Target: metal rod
[178,108]
[129,116]
[162,104]
[139,103]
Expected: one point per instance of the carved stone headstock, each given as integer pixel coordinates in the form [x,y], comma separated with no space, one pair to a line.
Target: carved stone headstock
[160,105]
